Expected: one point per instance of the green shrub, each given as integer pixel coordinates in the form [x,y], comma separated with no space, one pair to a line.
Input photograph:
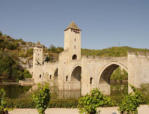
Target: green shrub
[3,102]
[131,101]
[90,102]
[41,98]
[27,74]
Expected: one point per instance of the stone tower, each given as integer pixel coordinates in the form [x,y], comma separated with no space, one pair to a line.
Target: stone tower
[72,41]
[37,62]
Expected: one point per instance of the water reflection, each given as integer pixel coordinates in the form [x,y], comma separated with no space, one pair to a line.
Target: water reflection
[14,91]
[75,94]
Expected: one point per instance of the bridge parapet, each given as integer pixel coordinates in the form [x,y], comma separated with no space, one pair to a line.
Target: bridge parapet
[139,53]
[103,58]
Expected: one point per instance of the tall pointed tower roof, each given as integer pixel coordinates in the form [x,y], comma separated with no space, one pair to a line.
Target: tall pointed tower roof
[72,25]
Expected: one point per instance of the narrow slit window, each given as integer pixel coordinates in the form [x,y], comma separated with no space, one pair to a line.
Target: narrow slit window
[91,80]
[66,78]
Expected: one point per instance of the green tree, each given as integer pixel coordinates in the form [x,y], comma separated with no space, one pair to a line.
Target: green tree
[29,52]
[27,74]
[119,74]
[47,59]
[10,68]
[52,48]
[88,103]
[41,98]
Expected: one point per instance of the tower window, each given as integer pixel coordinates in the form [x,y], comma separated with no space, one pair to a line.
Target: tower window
[50,76]
[74,57]
[40,76]
[66,78]
[91,80]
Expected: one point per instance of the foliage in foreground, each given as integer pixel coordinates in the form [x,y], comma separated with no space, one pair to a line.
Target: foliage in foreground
[3,102]
[41,98]
[88,103]
[131,101]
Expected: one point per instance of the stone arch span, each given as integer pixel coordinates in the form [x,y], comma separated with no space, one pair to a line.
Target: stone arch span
[76,78]
[105,74]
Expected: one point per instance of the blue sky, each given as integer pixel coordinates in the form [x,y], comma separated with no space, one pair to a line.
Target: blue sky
[104,23]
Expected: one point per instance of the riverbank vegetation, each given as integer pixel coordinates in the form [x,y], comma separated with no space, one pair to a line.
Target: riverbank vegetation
[10,68]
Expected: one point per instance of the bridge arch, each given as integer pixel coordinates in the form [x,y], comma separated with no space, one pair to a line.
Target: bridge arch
[105,74]
[76,78]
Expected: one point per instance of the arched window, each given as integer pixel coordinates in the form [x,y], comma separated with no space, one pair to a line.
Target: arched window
[74,57]
[91,80]
[40,76]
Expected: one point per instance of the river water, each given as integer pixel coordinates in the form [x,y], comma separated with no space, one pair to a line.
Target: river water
[14,91]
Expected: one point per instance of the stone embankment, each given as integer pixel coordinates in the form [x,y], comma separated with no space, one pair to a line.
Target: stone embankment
[143,109]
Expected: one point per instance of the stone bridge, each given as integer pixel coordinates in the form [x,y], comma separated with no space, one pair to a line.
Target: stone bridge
[95,72]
